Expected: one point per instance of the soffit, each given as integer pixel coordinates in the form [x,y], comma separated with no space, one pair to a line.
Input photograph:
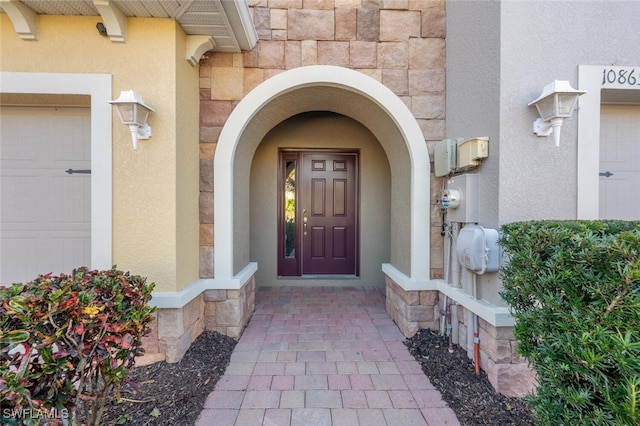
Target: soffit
[226,22]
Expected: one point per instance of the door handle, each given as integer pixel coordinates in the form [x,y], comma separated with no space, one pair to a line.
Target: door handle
[72,171]
[305,219]
[606,174]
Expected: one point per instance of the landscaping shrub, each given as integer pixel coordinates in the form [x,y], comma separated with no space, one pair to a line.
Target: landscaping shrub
[574,288]
[66,342]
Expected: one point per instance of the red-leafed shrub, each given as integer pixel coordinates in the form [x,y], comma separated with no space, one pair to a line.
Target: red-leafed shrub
[67,342]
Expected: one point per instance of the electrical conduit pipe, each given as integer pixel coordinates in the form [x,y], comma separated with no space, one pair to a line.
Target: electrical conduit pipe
[476,333]
[447,264]
[452,266]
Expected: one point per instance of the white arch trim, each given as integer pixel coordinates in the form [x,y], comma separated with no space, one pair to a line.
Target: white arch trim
[333,76]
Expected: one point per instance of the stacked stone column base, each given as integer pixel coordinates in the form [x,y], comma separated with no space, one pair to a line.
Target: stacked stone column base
[229,311]
[411,310]
[174,330]
[507,371]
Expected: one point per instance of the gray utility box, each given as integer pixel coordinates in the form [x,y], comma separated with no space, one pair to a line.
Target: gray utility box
[465,188]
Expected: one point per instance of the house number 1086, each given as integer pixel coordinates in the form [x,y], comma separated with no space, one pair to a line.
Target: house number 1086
[620,76]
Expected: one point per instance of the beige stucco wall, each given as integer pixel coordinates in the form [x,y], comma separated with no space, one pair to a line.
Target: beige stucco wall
[187,136]
[155,229]
[322,130]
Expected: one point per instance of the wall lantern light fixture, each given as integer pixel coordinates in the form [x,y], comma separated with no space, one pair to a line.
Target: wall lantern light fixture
[134,112]
[554,105]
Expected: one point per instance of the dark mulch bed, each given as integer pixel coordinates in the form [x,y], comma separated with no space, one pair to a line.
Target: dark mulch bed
[470,396]
[174,394]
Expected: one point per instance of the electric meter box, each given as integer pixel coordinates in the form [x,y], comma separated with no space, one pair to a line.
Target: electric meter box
[471,151]
[466,189]
[478,249]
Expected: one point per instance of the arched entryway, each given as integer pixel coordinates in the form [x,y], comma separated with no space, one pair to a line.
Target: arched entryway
[321,195]
[350,94]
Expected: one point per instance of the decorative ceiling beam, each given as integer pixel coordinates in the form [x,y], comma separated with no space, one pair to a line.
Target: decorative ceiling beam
[197,46]
[25,20]
[114,20]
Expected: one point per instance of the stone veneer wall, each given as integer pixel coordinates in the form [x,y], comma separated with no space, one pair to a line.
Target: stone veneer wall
[229,311]
[400,43]
[507,371]
[174,330]
[412,310]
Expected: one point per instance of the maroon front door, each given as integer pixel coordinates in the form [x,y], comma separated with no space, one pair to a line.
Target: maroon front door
[326,214]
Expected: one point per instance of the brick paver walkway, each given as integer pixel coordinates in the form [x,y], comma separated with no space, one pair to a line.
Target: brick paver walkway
[323,356]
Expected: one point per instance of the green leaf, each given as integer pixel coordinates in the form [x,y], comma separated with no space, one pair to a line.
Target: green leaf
[574,289]
[155,412]
[18,304]
[122,419]
[14,336]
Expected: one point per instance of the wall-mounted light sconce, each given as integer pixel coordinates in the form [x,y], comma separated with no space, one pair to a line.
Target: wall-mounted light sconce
[102,30]
[134,113]
[554,105]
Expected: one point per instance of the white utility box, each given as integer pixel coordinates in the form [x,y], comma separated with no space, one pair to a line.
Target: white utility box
[464,188]
[478,249]
[471,151]
[445,157]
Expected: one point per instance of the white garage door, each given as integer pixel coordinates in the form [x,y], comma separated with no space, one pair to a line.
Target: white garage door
[45,213]
[620,162]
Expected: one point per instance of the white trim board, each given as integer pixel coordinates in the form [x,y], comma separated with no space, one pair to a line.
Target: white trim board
[497,316]
[593,79]
[177,300]
[98,87]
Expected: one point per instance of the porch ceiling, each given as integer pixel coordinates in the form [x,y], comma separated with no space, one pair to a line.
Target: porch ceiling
[227,23]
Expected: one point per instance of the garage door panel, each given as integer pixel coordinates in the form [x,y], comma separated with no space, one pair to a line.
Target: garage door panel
[52,200]
[67,207]
[22,190]
[57,254]
[12,253]
[30,231]
[619,156]
[46,255]
[620,196]
[45,212]
[74,147]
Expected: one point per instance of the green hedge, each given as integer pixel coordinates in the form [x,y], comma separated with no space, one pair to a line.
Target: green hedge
[574,288]
[67,342]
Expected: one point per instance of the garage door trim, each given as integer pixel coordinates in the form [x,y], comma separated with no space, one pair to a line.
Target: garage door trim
[98,87]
